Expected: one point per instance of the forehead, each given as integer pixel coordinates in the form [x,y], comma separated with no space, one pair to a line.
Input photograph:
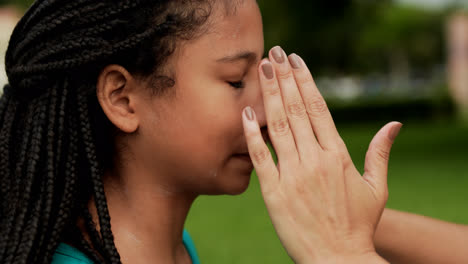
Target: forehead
[230,6]
[240,19]
[230,31]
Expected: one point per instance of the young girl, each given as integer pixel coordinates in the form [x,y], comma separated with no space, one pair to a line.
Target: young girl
[118,114]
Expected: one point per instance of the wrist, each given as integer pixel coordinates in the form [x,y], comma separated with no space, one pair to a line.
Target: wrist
[367,258]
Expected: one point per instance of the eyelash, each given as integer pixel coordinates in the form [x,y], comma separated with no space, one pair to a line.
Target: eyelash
[237,85]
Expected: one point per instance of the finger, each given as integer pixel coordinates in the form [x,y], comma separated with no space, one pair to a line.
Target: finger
[265,167]
[316,107]
[376,166]
[294,105]
[278,125]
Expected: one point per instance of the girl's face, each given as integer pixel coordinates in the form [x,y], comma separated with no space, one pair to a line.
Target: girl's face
[193,141]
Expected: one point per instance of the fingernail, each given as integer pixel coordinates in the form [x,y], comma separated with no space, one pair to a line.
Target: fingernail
[267,69]
[394,132]
[295,61]
[278,54]
[249,113]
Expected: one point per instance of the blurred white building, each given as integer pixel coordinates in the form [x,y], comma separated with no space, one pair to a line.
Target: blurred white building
[457,38]
[8,19]
[433,4]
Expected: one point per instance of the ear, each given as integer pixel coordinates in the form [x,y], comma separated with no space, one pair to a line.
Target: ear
[116,94]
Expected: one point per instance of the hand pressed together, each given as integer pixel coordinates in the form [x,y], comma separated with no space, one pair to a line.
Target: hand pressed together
[323,209]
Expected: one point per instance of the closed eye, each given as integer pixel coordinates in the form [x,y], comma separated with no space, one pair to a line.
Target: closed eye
[237,85]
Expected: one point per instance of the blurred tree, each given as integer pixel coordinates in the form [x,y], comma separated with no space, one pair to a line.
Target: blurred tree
[349,36]
[311,28]
[20,3]
[346,36]
[400,35]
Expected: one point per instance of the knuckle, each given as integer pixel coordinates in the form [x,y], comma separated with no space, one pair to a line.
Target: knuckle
[343,154]
[296,109]
[306,82]
[342,150]
[301,188]
[250,135]
[316,107]
[312,169]
[336,157]
[341,145]
[273,91]
[322,175]
[280,127]
[260,156]
[347,162]
[382,154]
[285,75]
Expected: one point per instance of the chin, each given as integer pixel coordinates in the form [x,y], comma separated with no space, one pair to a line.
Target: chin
[237,190]
[240,184]
[232,184]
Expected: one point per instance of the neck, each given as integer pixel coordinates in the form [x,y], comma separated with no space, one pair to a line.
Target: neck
[147,220]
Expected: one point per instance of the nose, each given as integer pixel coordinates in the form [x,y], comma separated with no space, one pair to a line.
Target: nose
[261,117]
[256,101]
[258,106]
[260,113]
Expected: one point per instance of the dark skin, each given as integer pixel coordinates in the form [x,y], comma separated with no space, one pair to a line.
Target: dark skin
[192,141]
[158,176]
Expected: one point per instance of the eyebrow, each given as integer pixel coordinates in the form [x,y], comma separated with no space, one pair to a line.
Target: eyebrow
[244,55]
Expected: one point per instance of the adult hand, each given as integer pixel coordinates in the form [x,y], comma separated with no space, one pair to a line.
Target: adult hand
[323,210]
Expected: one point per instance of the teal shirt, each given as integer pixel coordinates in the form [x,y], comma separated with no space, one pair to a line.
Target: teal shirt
[66,254]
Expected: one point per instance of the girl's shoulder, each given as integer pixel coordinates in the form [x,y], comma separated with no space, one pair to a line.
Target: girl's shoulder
[190,246]
[66,254]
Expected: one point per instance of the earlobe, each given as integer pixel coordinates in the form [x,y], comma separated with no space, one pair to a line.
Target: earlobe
[116,95]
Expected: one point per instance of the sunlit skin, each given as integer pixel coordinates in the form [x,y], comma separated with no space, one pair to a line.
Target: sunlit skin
[185,143]
[196,140]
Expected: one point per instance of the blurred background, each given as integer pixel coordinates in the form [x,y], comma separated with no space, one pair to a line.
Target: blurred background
[375,61]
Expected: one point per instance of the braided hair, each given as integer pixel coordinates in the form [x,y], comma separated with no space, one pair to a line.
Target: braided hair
[55,140]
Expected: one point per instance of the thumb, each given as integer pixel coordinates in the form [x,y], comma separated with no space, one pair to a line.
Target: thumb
[378,154]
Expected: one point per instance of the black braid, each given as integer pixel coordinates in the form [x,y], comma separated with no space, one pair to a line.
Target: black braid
[70,165]
[91,228]
[84,246]
[59,24]
[7,121]
[27,199]
[7,181]
[99,196]
[52,166]
[81,59]
[55,140]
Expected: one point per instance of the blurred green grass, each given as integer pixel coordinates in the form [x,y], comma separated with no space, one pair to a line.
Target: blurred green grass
[428,174]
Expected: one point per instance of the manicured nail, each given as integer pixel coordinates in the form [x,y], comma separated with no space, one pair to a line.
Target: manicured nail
[394,132]
[295,61]
[249,113]
[267,69]
[278,54]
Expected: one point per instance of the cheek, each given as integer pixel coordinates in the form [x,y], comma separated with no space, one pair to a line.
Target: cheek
[204,156]
[210,122]
[194,141]
[214,138]
[204,135]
